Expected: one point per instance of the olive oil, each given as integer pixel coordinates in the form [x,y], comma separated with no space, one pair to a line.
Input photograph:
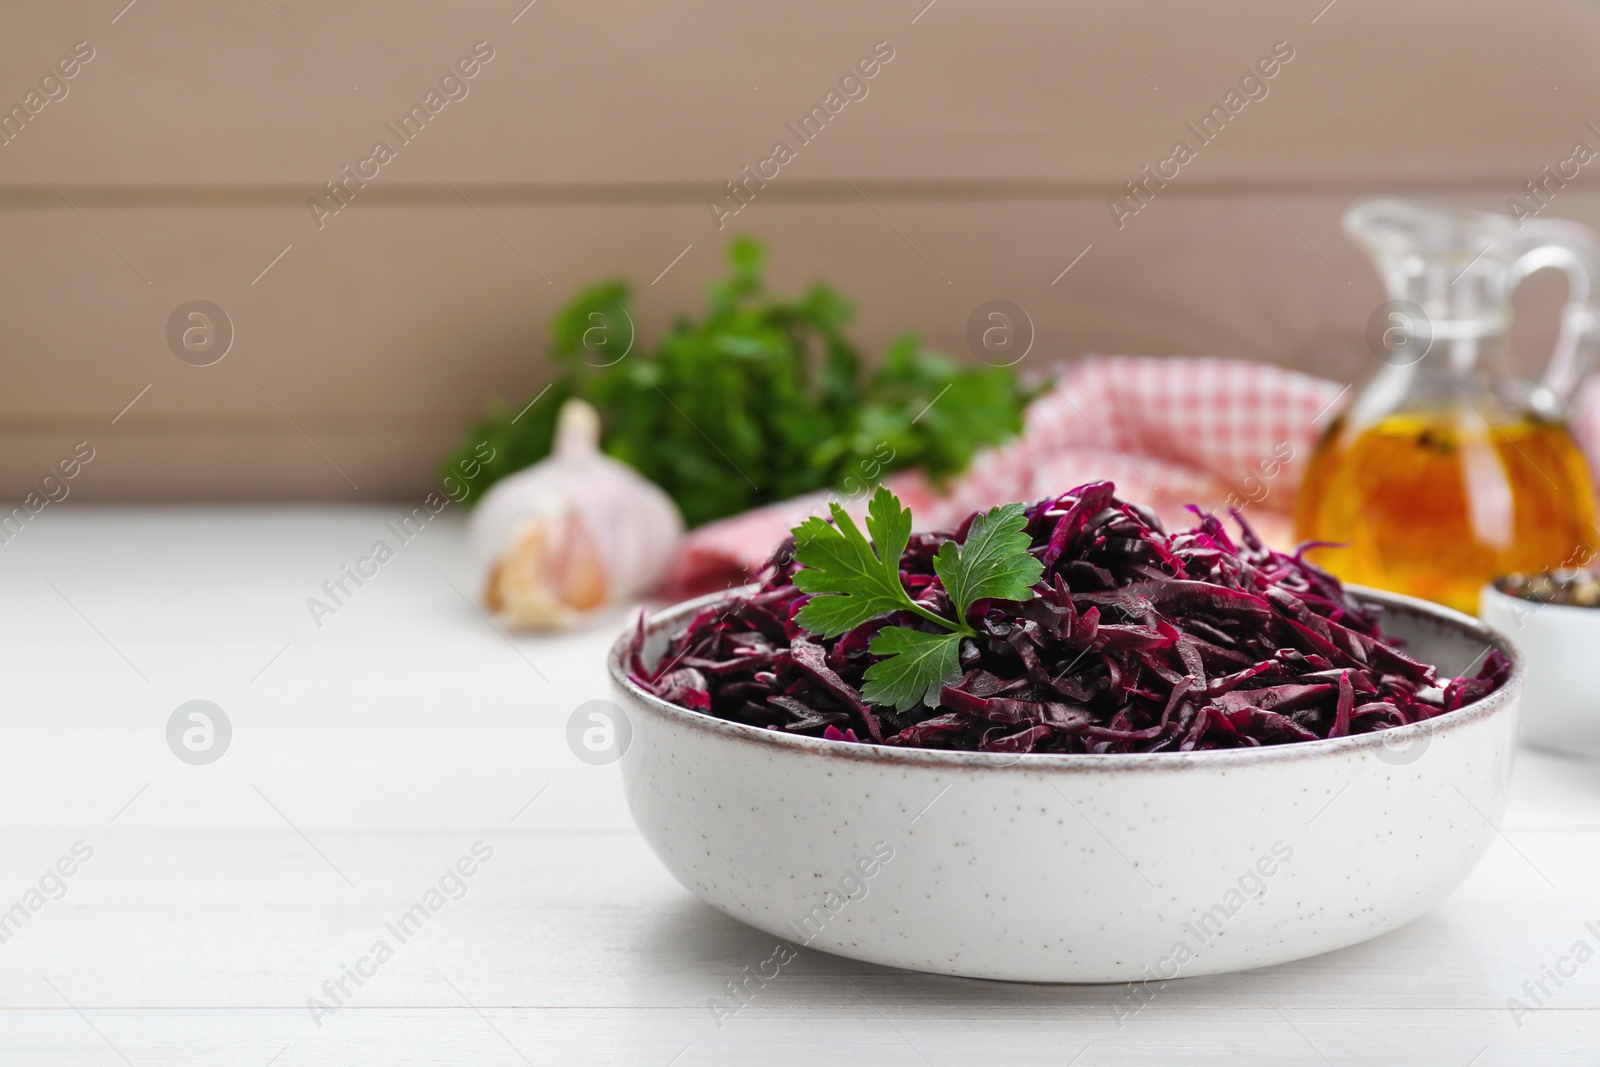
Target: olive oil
[1437,503]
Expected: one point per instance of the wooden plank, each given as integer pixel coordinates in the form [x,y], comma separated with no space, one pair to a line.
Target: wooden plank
[259,460]
[189,92]
[379,338]
[454,1033]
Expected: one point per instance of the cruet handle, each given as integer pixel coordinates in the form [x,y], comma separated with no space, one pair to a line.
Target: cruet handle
[1572,249]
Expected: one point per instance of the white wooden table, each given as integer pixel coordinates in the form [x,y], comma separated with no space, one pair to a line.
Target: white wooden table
[370,755]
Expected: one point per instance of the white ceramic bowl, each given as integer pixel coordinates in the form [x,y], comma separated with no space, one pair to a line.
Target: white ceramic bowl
[1076,868]
[1562,704]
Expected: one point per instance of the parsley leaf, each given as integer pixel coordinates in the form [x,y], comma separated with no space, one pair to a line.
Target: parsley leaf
[854,581]
[994,562]
[915,668]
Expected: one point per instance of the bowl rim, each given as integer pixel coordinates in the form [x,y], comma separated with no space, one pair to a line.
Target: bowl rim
[1538,607]
[1500,701]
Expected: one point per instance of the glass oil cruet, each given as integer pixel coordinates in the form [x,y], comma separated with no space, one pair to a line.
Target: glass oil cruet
[1445,471]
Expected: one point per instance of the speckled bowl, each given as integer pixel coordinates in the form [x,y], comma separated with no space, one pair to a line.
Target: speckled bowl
[1086,868]
[1562,707]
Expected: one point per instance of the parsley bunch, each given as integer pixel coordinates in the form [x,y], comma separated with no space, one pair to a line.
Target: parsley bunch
[762,399]
[854,581]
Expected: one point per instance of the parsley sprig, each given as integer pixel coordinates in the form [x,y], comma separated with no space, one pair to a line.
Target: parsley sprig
[762,397]
[853,580]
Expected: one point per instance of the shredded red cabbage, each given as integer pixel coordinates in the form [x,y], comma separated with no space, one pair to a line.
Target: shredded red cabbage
[1136,641]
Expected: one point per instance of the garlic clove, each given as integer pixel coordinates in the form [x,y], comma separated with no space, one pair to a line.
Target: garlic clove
[550,569]
[573,532]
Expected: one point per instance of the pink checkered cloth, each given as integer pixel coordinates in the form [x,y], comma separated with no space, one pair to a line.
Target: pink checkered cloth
[1169,432]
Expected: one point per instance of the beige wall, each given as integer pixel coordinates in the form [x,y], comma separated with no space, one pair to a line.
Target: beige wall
[589,145]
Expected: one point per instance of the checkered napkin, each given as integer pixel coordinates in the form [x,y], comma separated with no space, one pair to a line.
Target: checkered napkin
[1168,432]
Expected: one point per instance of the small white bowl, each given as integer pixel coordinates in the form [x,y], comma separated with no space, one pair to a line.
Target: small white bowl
[1560,641]
[1076,868]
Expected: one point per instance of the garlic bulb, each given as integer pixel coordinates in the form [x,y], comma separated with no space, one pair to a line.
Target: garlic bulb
[573,532]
